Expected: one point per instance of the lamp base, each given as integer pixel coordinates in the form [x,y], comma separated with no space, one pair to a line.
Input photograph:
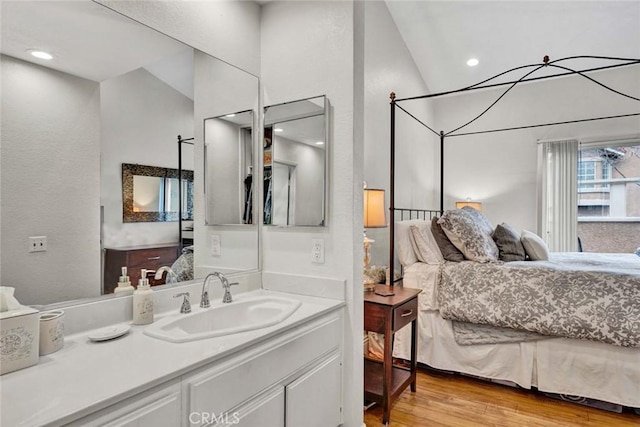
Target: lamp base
[369,287]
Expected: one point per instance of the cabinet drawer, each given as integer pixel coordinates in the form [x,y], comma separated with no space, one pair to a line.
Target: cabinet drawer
[152,258]
[405,314]
[375,315]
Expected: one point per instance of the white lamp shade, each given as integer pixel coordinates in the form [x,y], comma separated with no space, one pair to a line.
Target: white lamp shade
[475,205]
[374,216]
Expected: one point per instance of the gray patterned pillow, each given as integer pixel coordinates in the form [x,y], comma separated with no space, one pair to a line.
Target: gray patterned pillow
[470,232]
[508,242]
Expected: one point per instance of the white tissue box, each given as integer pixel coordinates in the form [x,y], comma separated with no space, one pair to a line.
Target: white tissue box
[19,339]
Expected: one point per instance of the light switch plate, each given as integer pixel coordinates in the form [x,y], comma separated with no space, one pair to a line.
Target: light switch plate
[216,249]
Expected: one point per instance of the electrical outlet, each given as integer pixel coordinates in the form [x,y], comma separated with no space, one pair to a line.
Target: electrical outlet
[216,249]
[317,251]
[38,244]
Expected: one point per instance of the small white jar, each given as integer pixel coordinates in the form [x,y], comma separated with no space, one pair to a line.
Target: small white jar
[51,331]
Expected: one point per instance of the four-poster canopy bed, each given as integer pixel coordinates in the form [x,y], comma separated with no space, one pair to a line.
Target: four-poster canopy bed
[564,323]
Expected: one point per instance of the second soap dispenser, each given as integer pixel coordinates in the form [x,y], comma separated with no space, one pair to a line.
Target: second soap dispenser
[143,301]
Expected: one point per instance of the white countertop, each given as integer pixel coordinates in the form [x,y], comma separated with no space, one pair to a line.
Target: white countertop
[86,376]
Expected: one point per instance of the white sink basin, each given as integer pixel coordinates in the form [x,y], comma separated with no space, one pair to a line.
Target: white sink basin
[225,319]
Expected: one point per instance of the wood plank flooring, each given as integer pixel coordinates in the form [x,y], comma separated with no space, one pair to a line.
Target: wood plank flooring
[456,401]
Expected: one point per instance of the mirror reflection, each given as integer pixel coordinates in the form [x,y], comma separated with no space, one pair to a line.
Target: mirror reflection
[115,92]
[228,144]
[151,194]
[295,163]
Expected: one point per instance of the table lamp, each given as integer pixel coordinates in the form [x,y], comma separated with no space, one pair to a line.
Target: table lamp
[475,205]
[373,217]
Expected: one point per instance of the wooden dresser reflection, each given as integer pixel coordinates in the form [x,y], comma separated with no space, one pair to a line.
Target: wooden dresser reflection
[135,258]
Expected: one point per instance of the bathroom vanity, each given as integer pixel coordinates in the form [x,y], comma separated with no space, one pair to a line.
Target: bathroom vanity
[286,374]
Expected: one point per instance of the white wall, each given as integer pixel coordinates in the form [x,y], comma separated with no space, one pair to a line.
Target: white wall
[500,169]
[50,146]
[308,50]
[141,118]
[390,68]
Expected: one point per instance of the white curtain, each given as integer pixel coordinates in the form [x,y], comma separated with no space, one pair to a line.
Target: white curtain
[558,194]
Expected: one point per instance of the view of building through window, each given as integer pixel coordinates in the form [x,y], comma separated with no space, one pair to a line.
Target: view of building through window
[609,199]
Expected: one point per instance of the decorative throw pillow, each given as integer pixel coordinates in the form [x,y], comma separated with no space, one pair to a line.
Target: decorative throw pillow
[534,246]
[508,242]
[424,245]
[470,232]
[404,246]
[482,221]
[447,249]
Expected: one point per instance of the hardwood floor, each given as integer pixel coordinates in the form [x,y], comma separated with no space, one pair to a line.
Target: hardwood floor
[456,401]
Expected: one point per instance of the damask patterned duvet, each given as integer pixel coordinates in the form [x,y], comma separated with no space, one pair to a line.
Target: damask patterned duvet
[573,295]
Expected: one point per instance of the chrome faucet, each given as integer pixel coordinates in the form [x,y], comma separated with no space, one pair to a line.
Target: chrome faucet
[204,299]
[186,305]
[172,276]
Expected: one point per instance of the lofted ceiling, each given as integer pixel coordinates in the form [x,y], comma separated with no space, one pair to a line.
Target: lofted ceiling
[89,41]
[442,35]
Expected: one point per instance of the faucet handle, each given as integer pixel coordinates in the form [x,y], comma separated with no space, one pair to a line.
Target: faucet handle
[227,294]
[204,301]
[186,305]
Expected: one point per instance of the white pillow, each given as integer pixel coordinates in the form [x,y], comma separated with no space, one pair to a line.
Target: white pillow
[534,246]
[404,247]
[424,244]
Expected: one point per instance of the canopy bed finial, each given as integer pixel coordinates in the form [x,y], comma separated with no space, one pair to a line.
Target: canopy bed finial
[546,60]
[392,96]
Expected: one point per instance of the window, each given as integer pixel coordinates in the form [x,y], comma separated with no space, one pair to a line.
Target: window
[609,197]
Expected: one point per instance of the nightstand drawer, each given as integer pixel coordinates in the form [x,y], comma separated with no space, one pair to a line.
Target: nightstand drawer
[374,317]
[405,314]
[153,258]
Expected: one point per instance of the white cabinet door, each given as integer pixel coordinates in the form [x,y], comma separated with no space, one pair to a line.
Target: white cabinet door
[264,411]
[160,407]
[314,400]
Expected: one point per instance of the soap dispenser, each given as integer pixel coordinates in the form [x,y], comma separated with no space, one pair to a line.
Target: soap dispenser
[143,301]
[124,284]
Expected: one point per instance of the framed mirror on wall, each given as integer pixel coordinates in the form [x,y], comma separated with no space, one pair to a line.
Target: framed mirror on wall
[151,194]
[228,159]
[295,163]
[75,119]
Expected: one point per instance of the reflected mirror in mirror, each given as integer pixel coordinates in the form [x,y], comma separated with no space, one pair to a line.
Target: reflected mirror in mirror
[228,145]
[115,92]
[151,194]
[295,163]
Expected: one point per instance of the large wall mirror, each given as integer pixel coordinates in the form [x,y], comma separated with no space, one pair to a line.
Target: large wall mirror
[115,92]
[295,163]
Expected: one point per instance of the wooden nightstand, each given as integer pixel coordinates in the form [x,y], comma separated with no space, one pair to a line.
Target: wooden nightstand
[383,381]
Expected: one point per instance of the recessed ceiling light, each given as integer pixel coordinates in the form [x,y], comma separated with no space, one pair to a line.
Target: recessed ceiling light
[320,143]
[472,62]
[230,115]
[278,130]
[40,54]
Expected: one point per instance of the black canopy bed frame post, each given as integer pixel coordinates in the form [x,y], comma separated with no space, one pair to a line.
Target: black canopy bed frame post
[180,142]
[546,63]
[392,187]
